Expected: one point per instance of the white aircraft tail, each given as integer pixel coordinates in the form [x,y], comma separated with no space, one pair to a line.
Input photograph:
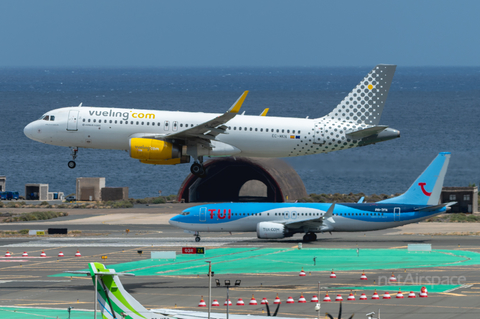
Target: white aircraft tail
[113,300]
[364,104]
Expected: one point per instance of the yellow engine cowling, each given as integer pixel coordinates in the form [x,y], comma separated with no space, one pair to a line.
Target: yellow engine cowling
[153,151]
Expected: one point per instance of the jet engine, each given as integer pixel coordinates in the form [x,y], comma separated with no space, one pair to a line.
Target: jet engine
[151,151]
[270,230]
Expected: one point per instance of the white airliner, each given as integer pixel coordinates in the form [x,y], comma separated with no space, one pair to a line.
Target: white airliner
[168,138]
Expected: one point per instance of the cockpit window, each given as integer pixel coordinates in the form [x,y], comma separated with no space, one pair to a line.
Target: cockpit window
[52,118]
[46,118]
[185,213]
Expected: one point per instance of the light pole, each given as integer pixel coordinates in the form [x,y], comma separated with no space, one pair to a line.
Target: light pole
[209,285]
[69,310]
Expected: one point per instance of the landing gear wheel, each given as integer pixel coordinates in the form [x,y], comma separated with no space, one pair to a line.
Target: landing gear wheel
[197,239]
[308,237]
[197,169]
[72,164]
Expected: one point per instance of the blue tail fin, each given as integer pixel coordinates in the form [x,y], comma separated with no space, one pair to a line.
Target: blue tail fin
[427,187]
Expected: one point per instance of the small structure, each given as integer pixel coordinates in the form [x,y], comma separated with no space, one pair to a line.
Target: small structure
[114,193]
[466,198]
[36,191]
[40,192]
[3,183]
[89,188]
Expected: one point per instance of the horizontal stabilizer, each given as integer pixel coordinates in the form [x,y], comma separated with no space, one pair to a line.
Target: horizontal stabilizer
[432,208]
[359,134]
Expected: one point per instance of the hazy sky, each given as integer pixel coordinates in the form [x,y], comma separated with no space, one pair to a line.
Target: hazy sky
[241,33]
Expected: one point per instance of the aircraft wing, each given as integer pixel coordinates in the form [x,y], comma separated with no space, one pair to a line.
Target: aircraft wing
[312,222]
[210,129]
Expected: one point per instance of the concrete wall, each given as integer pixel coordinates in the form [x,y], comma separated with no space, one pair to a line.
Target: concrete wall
[89,188]
[114,193]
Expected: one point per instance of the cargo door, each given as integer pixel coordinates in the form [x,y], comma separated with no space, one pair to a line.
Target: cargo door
[72,121]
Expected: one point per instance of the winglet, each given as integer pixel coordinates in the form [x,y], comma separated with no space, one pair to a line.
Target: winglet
[235,108]
[329,212]
[264,113]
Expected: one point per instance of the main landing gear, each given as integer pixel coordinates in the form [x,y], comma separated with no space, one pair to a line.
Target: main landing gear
[310,236]
[197,168]
[72,164]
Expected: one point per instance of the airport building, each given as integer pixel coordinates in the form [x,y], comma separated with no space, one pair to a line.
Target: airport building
[466,198]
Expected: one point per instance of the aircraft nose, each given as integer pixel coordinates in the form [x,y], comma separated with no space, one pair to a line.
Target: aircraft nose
[174,221]
[29,130]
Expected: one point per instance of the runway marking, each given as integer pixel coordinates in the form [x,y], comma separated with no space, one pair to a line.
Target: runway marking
[398,247]
[127,242]
[452,294]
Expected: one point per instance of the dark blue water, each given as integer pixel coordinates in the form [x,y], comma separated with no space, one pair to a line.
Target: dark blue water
[436,109]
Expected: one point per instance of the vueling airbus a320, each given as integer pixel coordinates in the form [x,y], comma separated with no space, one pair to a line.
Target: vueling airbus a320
[166,138]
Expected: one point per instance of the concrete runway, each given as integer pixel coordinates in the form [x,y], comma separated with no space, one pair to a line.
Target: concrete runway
[25,282]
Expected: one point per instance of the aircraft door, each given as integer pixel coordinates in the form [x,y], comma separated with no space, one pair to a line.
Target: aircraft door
[286,215]
[166,126]
[319,133]
[72,121]
[294,215]
[175,126]
[203,214]
[396,214]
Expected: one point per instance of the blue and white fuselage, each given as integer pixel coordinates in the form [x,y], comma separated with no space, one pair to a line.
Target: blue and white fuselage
[347,217]
[279,220]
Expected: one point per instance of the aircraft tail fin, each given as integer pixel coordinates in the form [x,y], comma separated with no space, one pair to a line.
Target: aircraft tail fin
[427,187]
[113,300]
[364,104]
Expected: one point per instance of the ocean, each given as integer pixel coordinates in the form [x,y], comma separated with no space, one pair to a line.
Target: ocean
[436,109]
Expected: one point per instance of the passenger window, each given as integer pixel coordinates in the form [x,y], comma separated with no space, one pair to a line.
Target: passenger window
[94,120]
[111,121]
[288,131]
[88,120]
[278,130]
[245,128]
[256,129]
[148,123]
[121,122]
[137,122]
[84,120]
[293,132]
[266,130]
[261,130]
[115,121]
[235,128]
[131,122]
[181,125]
[251,129]
[283,131]
[239,128]
[52,118]
[142,123]
[298,132]
[268,214]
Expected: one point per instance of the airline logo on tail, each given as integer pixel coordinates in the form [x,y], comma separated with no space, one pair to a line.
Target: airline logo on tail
[422,186]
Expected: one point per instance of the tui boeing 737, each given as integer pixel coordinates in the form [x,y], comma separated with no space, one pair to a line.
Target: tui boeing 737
[169,138]
[280,220]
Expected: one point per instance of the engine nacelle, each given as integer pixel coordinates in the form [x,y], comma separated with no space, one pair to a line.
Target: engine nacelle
[270,230]
[151,150]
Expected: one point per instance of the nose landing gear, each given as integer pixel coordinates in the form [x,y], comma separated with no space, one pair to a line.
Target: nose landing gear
[72,164]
